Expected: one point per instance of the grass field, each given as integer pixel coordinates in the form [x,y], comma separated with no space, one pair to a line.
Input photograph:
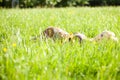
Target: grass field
[23,59]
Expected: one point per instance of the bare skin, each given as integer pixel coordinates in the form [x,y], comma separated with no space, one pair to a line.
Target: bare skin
[108,35]
[56,33]
[80,36]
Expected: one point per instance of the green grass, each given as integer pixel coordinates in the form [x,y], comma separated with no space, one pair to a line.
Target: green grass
[22,59]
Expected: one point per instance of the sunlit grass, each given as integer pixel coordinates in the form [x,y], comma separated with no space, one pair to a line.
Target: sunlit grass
[23,59]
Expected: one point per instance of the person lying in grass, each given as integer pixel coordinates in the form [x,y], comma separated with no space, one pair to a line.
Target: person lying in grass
[105,35]
[56,33]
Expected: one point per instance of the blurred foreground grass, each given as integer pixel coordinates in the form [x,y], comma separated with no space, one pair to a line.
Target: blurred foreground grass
[22,59]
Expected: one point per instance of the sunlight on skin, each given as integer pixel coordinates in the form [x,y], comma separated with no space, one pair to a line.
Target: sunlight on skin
[107,35]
